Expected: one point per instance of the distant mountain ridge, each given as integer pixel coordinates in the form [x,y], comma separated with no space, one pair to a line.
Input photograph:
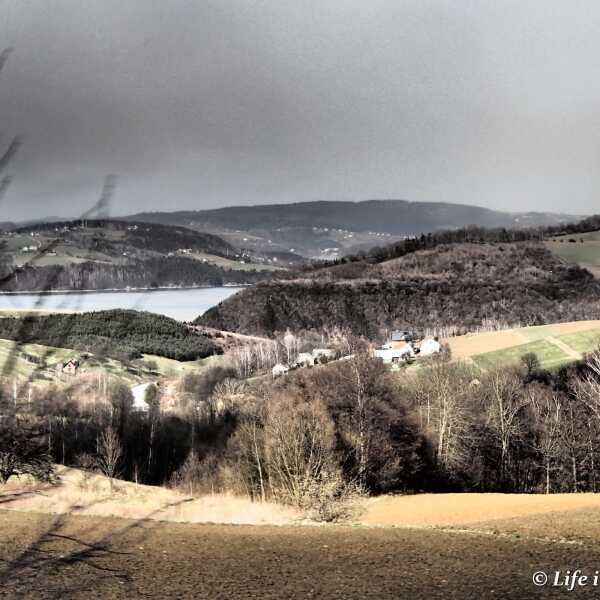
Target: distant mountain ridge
[326,227]
[387,216]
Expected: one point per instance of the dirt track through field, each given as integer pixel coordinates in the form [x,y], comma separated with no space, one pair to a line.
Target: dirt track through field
[78,558]
[566,349]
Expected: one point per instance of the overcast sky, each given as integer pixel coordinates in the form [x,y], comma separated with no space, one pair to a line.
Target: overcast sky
[202,104]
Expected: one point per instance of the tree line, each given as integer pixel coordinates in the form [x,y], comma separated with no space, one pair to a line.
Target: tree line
[319,436]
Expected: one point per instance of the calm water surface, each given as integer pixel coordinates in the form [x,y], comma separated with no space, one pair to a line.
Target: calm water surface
[183,305]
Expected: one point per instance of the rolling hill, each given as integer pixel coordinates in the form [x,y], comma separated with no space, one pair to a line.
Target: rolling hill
[121,334]
[331,228]
[101,254]
[452,288]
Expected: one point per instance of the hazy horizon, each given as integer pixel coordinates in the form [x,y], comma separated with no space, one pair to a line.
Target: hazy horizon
[224,103]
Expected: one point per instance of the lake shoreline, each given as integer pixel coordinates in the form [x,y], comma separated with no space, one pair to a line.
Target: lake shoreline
[125,290]
[180,303]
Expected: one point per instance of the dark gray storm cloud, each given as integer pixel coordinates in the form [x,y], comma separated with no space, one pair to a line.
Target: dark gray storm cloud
[212,103]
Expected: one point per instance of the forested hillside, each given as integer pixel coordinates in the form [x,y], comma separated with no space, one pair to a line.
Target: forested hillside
[150,273]
[122,334]
[114,236]
[101,254]
[452,286]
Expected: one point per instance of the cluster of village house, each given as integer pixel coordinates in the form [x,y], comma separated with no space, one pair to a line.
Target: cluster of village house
[402,346]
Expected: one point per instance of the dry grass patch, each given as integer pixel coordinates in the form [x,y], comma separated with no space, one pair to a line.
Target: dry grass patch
[85,493]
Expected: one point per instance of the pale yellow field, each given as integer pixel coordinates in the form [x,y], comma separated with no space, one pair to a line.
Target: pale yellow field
[85,493]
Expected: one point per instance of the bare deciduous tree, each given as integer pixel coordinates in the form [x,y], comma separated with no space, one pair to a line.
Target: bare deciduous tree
[547,407]
[109,453]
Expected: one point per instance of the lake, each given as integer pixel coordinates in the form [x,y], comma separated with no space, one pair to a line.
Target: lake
[180,304]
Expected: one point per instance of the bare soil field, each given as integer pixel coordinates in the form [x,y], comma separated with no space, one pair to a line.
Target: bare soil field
[47,557]
[451,510]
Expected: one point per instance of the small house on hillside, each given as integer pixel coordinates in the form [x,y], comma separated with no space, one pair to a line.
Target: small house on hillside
[69,368]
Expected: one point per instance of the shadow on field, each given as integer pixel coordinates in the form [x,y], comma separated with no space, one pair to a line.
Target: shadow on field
[60,549]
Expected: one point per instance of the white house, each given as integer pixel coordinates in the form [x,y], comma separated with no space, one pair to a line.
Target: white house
[395,355]
[278,370]
[429,346]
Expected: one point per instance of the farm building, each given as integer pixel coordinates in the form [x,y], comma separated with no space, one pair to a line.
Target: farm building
[396,354]
[402,335]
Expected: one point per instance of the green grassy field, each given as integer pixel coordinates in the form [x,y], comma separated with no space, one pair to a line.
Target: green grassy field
[583,341]
[552,349]
[585,251]
[15,361]
[549,355]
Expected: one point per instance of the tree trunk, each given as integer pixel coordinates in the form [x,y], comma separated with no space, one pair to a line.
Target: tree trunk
[258,465]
